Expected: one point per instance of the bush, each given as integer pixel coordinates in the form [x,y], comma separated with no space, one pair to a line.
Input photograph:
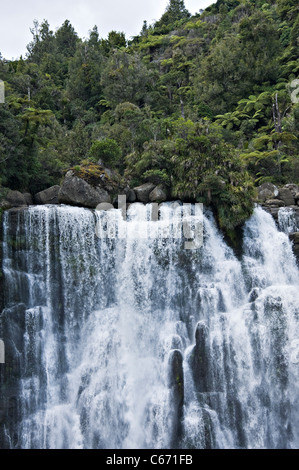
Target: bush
[106,150]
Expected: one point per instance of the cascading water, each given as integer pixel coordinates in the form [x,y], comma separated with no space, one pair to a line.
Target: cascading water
[288,220]
[137,342]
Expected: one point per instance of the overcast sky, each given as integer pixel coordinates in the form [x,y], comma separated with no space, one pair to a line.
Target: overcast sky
[16,18]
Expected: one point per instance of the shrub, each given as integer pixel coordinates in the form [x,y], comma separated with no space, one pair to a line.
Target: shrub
[106,150]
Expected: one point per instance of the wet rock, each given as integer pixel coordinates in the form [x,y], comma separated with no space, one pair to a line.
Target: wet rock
[253,295]
[176,342]
[158,194]
[294,237]
[272,210]
[200,359]
[48,196]
[13,327]
[221,303]
[176,385]
[142,192]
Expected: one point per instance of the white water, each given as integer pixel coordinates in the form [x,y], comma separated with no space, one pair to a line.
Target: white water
[103,317]
[287,220]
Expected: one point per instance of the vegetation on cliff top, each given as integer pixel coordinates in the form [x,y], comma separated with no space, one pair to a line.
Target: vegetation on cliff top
[205,104]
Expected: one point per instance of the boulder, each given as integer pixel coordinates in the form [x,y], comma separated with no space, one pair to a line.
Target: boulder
[294,188]
[286,195]
[142,192]
[267,191]
[28,198]
[131,196]
[158,194]
[274,203]
[15,199]
[78,192]
[48,196]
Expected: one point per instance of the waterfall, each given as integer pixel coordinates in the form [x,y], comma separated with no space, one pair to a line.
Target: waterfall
[287,220]
[134,342]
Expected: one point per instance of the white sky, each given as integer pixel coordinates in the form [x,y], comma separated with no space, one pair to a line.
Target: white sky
[16,18]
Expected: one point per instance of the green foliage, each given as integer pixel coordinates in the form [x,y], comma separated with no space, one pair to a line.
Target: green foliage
[124,78]
[199,104]
[66,39]
[209,170]
[106,150]
[115,41]
[90,172]
[152,164]
[175,11]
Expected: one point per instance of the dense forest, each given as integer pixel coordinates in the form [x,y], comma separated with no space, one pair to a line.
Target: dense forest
[205,105]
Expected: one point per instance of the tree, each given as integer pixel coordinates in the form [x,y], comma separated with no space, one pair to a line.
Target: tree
[66,39]
[85,69]
[125,78]
[207,169]
[153,164]
[175,11]
[116,40]
[238,63]
[107,151]
[42,43]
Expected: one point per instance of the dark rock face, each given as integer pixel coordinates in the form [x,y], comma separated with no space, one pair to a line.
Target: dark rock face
[176,385]
[200,367]
[210,383]
[294,237]
[143,192]
[78,192]
[48,196]
[200,359]
[158,194]
[131,196]
[12,329]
